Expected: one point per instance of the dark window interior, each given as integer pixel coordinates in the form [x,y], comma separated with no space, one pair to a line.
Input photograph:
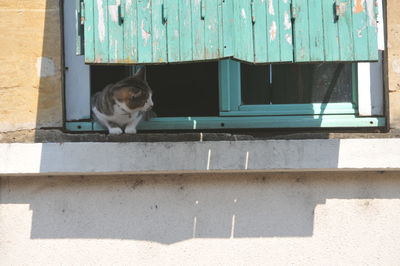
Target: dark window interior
[255,84]
[184,89]
[101,76]
[297,83]
[179,90]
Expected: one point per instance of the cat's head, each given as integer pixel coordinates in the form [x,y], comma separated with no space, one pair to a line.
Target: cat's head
[133,93]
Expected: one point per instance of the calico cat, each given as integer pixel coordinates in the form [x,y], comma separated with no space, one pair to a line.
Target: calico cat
[121,106]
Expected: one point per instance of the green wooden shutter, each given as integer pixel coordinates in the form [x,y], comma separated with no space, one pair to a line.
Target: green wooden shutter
[153,31]
[258,31]
[272,31]
[161,31]
[255,31]
[335,30]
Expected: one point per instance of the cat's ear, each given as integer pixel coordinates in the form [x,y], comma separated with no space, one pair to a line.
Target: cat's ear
[141,74]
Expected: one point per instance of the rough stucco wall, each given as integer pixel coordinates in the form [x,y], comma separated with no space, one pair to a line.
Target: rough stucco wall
[259,219]
[393,38]
[30,83]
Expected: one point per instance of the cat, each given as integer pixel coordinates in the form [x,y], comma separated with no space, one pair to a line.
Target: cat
[121,106]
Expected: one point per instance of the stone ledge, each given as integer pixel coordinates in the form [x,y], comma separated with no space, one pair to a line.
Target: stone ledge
[57,135]
[207,156]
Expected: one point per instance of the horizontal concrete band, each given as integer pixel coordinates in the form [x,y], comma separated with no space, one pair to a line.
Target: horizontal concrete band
[164,157]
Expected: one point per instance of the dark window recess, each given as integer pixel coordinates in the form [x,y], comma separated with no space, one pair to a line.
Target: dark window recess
[297,83]
[179,90]
[255,84]
[101,76]
[182,90]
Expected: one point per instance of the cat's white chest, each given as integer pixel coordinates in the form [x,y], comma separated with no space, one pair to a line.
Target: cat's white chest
[121,117]
[120,120]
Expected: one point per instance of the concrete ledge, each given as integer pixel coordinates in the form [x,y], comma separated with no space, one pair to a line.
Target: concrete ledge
[164,157]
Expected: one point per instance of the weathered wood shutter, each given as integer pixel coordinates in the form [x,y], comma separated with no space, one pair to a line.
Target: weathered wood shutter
[335,30]
[254,31]
[266,35]
[152,31]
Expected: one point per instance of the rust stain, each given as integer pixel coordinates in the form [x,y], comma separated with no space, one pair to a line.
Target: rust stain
[272,31]
[207,53]
[127,61]
[98,59]
[358,6]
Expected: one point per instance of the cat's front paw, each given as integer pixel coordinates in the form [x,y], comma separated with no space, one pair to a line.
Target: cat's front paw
[115,131]
[130,130]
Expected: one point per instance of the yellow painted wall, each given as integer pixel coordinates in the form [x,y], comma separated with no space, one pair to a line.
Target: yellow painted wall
[393,10]
[30,56]
[30,72]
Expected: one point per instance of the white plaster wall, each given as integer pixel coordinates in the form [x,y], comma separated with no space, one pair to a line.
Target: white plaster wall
[258,219]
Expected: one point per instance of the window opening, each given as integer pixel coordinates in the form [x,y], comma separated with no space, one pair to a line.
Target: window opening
[184,89]
[178,90]
[297,83]
[101,76]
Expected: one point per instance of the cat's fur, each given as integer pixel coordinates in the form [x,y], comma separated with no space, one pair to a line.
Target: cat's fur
[120,106]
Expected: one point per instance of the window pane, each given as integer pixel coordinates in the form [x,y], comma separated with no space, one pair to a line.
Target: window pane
[297,83]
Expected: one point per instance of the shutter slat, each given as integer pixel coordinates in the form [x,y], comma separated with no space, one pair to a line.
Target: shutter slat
[286,36]
[316,30]
[211,31]
[130,32]
[243,30]
[273,29]
[372,15]
[101,31]
[228,28]
[159,32]
[344,20]
[145,48]
[220,30]
[197,31]
[301,31]
[360,29]
[116,31]
[260,31]
[173,43]
[331,31]
[89,31]
[185,33]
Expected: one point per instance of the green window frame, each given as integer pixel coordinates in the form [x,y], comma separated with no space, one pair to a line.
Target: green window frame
[234,115]
[231,102]
[308,31]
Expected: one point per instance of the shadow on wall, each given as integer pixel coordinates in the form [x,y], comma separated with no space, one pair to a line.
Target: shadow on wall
[49,68]
[169,209]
